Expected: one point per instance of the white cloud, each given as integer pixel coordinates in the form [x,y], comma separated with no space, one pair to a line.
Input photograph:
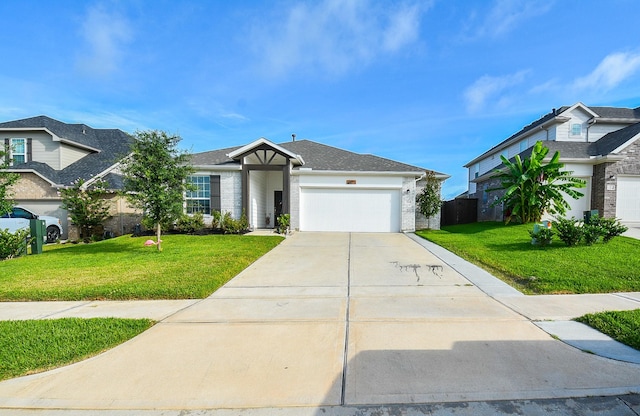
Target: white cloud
[335,36]
[612,70]
[105,33]
[488,88]
[506,15]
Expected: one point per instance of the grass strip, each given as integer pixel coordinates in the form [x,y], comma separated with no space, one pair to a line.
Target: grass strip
[623,326]
[28,347]
[189,267]
[506,251]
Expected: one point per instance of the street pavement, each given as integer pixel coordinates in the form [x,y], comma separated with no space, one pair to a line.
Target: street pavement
[345,323]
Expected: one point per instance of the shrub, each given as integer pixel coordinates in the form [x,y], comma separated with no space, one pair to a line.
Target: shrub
[568,230]
[216,219]
[591,232]
[284,220]
[13,244]
[542,236]
[610,227]
[232,226]
[190,224]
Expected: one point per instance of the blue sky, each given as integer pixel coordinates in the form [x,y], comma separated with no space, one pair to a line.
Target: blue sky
[429,83]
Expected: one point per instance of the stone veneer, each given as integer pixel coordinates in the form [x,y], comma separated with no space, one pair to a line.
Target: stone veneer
[605,176]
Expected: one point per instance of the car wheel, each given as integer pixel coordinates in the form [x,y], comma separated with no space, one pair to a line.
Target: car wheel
[53,234]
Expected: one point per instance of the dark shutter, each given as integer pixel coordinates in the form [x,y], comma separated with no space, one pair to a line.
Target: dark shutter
[214,181]
[29,157]
[7,158]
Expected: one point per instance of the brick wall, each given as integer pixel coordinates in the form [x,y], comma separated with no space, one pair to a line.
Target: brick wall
[31,186]
[486,210]
[420,221]
[294,202]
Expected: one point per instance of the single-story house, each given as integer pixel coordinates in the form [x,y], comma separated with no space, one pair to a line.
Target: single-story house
[323,188]
[598,144]
[49,154]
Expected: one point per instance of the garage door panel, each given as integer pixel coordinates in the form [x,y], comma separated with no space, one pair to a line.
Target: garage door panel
[356,210]
[628,198]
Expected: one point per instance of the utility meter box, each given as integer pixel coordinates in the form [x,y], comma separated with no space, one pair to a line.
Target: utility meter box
[38,234]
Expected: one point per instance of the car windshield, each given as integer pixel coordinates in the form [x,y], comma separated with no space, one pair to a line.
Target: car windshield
[21,213]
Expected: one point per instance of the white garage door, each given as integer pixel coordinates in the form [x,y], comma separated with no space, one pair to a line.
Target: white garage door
[358,210]
[628,198]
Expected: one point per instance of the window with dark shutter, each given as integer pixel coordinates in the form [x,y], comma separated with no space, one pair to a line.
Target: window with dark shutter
[215,193]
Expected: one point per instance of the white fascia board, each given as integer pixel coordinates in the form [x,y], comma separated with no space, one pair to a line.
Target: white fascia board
[44,129]
[556,120]
[101,175]
[80,145]
[53,136]
[627,143]
[34,172]
[583,107]
[356,172]
[262,140]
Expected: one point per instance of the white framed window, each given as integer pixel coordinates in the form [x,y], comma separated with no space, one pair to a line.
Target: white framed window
[576,129]
[523,146]
[18,151]
[199,200]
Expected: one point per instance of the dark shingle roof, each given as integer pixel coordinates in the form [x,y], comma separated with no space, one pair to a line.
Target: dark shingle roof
[611,141]
[318,156]
[214,157]
[617,113]
[113,144]
[611,113]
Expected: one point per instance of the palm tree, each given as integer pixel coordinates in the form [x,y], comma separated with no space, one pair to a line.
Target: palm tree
[533,187]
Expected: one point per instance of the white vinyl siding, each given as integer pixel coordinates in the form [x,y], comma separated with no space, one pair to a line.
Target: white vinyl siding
[70,155]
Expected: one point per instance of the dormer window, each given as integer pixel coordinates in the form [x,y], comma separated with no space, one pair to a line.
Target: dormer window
[576,129]
[18,151]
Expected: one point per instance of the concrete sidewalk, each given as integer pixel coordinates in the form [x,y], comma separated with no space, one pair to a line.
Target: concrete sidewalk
[337,323]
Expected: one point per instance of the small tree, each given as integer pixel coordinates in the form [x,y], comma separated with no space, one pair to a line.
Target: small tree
[86,205]
[428,200]
[533,187]
[7,179]
[155,177]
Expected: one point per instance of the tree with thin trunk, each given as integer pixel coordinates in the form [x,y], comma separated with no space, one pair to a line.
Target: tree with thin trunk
[86,205]
[155,177]
[533,187]
[7,180]
[428,200]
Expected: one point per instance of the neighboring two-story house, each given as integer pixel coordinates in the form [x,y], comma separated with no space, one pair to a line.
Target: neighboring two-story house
[598,144]
[49,155]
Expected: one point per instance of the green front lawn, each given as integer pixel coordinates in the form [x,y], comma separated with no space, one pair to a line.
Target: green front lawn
[623,326]
[506,252]
[33,346]
[122,268]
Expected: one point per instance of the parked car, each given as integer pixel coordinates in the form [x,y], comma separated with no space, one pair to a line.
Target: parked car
[15,220]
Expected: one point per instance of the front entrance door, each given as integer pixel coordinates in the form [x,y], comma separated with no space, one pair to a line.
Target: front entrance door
[277,206]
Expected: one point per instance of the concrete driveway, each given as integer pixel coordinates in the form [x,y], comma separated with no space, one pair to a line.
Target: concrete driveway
[331,319]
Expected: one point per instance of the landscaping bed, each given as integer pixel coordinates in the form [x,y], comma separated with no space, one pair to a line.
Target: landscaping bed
[506,251]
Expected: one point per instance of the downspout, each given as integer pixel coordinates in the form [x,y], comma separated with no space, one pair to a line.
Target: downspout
[590,123]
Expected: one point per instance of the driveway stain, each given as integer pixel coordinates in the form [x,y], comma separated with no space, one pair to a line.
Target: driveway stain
[435,269]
